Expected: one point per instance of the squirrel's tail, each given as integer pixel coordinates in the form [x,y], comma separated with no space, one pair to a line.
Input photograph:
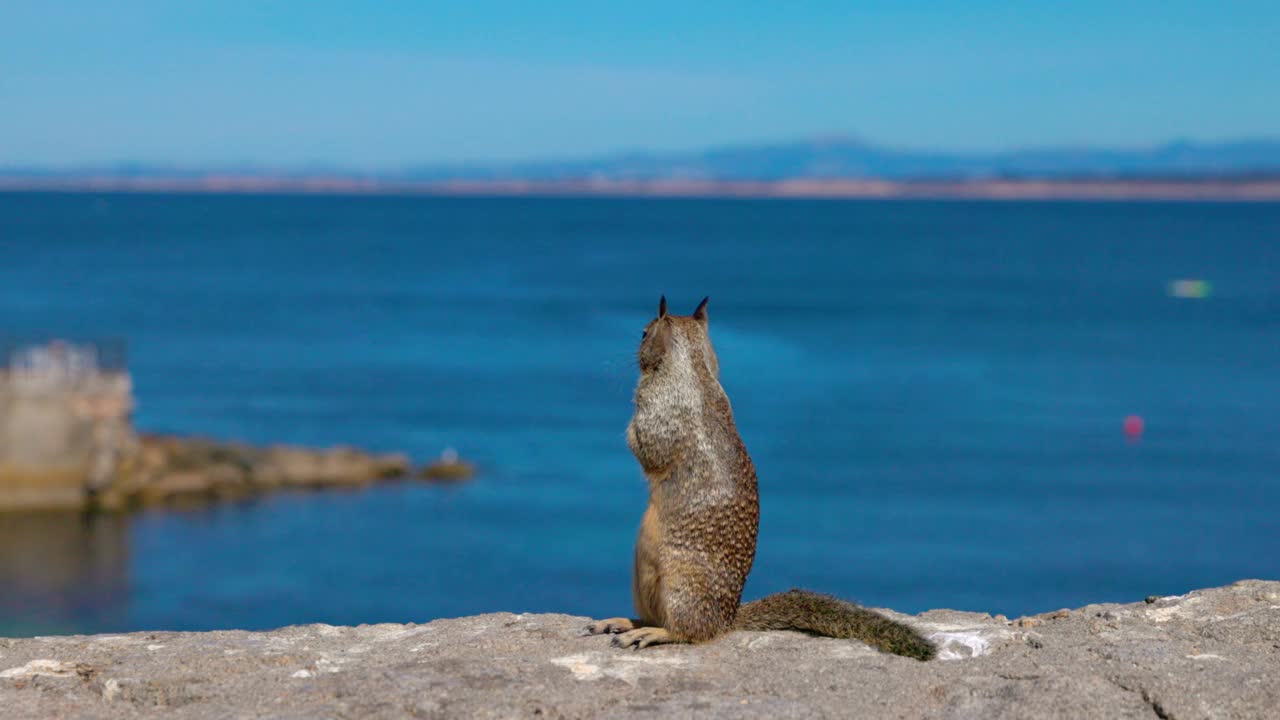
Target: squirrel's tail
[832,617]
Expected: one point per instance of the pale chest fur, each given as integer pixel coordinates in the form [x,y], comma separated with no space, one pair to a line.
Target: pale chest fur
[666,423]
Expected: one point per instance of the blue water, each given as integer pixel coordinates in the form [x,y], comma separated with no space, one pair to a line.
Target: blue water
[933,393]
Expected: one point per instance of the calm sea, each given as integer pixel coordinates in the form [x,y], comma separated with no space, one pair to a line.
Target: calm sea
[934,395]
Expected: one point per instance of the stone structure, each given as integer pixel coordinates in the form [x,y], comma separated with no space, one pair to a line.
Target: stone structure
[64,424]
[1208,654]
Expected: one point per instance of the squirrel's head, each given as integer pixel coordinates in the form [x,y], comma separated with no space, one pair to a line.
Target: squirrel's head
[670,338]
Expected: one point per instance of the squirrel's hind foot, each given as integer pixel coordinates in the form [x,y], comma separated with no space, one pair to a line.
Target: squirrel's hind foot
[644,637]
[611,626]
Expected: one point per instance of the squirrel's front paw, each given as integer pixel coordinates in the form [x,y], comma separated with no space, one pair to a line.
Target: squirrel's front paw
[612,625]
[643,637]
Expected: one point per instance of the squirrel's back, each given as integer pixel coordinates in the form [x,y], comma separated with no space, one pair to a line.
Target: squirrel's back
[698,538]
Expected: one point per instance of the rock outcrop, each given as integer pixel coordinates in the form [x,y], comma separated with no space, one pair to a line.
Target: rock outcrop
[448,468]
[167,469]
[67,442]
[1208,654]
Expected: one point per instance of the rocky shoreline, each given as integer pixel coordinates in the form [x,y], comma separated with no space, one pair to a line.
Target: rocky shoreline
[1211,653]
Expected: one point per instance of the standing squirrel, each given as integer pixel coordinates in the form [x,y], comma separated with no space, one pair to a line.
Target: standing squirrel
[698,536]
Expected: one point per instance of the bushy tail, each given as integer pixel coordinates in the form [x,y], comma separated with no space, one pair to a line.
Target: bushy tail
[832,617]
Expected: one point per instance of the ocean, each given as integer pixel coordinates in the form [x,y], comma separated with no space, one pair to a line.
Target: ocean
[934,394]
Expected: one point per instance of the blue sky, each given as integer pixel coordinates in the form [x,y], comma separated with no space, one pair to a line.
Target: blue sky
[387,84]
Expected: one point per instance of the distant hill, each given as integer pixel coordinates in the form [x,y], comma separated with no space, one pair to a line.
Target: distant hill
[850,158]
[831,159]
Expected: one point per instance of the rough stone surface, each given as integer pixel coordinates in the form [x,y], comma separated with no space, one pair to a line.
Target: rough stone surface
[1208,654]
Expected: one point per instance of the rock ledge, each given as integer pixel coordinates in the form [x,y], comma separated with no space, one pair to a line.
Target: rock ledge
[1208,654]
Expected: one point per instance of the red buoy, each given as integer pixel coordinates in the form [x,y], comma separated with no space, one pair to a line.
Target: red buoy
[1133,426]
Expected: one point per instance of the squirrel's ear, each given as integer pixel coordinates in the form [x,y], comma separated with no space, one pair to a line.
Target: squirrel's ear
[701,313]
[662,307]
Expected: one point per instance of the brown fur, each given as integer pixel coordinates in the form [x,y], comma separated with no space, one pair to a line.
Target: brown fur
[830,616]
[697,540]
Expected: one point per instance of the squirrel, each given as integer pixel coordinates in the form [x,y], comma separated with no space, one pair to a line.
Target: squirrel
[697,540]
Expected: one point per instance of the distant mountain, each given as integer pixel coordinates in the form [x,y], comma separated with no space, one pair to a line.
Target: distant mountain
[848,158]
[832,158]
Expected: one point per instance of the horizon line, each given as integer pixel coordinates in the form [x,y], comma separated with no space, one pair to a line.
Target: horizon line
[816,140]
[1256,188]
